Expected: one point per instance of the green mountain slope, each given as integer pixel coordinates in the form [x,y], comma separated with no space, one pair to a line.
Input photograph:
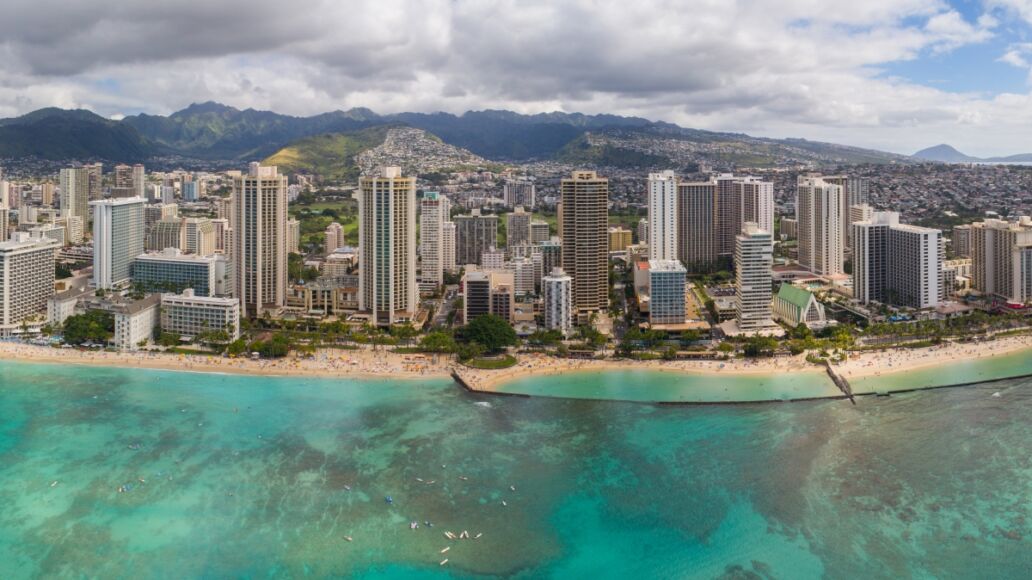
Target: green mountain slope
[58,134]
[331,157]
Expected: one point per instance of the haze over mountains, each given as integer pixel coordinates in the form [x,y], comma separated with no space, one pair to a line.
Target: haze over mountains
[215,132]
[947,154]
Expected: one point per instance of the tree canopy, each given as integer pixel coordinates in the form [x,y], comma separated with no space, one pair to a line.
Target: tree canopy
[490,331]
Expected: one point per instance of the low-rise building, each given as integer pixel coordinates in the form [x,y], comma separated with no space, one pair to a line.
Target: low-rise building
[189,316]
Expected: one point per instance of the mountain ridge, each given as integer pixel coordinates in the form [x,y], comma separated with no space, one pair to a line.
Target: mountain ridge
[212,131]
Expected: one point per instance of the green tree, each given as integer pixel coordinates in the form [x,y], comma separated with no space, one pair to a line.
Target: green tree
[438,341]
[92,326]
[490,331]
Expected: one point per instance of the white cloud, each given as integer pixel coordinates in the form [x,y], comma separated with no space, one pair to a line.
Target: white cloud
[775,67]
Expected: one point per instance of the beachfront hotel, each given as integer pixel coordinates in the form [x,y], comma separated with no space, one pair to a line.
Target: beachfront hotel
[188,315]
[172,270]
[666,295]
[663,216]
[696,222]
[556,288]
[897,264]
[584,222]
[26,279]
[754,258]
[118,237]
[260,239]
[1001,259]
[387,247]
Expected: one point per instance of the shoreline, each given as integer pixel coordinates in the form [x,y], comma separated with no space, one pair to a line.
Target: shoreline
[367,364]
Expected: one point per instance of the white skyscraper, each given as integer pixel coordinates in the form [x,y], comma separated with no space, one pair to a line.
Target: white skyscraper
[819,207]
[662,224]
[754,258]
[556,289]
[448,246]
[895,263]
[118,238]
[667,280]
[387,247]
[434,212]
[260,239]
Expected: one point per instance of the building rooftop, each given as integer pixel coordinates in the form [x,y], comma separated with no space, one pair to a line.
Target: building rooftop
[794,295]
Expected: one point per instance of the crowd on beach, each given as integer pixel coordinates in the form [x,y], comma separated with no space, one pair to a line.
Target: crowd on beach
[370,363]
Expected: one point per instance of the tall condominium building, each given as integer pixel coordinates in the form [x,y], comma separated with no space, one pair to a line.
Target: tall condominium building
[123,177]
[189,315]
[198,236]
[667,292]
[434,212]
[334,238]
[160,211]
[95,173]
[551,255]
[139,181]
[448,262]
[190,191]
[519,192]
[539,232]
[895,263]
[167,233]
[556,289]
[260,240]
[118,237]
[524,275]
[753,202]
[474,233]
[517,227]
[387,247]
[46,193]
[223,236]
[26,280]
[855,191]
[754,260]
[75,192]
[961,242]
[858,213]
[74,229]
[170,270]
[725,206]
[584,219]
[1001,259]
[663,216]
[696,223]
[819,209]
[293,236]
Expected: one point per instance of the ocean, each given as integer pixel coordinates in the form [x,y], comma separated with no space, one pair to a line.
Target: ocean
[255,477]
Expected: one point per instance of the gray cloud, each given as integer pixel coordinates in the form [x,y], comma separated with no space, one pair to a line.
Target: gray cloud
[780,67]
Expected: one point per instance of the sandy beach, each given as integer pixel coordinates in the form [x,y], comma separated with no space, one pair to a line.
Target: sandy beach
[326,363]
[872,363]
[366,363]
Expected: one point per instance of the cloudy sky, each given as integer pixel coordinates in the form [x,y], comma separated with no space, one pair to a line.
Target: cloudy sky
[897,75]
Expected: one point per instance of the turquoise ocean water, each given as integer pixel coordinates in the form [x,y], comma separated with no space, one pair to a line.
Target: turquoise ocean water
[254,477]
